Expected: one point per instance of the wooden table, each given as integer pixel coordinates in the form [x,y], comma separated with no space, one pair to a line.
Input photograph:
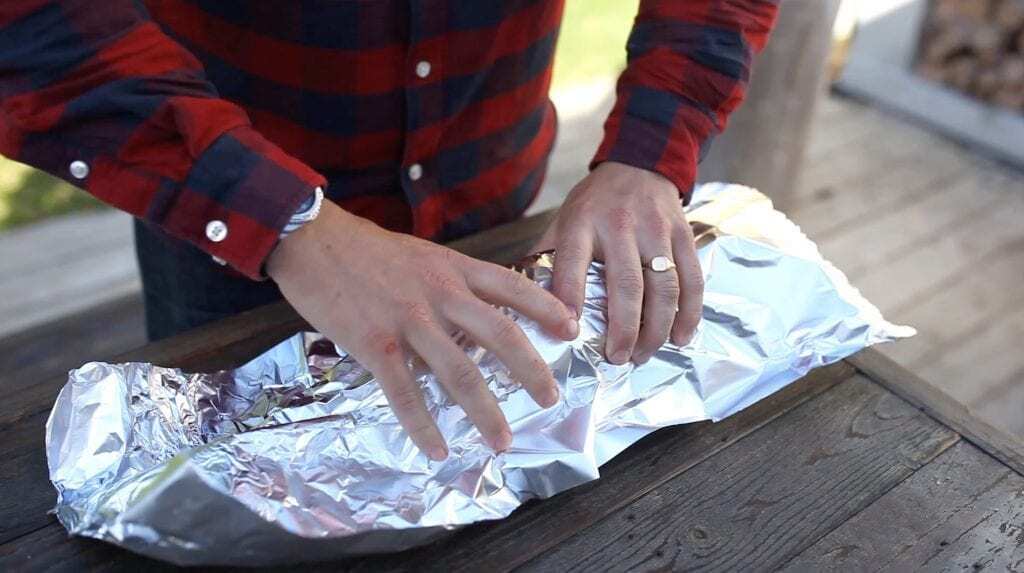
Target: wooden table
[859,465]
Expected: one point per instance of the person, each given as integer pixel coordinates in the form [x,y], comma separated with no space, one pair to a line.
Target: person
[329,146]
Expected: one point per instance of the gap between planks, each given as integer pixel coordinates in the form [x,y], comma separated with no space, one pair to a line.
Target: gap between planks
[962,511]
[771,495]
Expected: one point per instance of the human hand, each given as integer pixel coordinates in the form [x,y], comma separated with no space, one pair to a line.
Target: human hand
[381,295]
[626,216]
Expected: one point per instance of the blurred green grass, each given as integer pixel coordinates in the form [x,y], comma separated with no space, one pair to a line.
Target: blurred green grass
[591,48]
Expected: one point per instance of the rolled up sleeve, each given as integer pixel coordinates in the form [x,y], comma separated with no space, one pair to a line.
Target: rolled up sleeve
[688,69]
[103,99]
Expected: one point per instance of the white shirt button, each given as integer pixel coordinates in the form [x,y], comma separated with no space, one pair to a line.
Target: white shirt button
[415,171]
[423,69]
[79,169]
[219,261]
[216,231]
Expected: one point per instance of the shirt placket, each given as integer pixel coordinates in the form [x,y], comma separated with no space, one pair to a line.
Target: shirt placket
[424,102]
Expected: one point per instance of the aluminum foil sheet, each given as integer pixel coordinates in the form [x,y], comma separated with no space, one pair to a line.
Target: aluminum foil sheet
[296,456]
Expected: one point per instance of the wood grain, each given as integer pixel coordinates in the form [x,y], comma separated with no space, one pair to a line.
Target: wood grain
[964,511]
[768,497]
[34,364]
[995,441]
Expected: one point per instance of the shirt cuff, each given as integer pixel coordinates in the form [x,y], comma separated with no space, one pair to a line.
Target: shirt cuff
[653,130]
[237,198]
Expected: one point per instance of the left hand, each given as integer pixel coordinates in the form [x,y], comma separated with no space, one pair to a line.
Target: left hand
[625,216]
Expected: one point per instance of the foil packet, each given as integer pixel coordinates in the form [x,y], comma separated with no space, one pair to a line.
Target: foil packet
[296,456]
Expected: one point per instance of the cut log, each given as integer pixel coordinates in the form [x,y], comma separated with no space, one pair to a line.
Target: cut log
[957,10]
[987,83]
[960,72]
[1012,98]
[1009,15]
[986,43]
[976,47]
[1011,71]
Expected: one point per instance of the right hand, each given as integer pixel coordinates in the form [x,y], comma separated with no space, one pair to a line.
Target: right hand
[380,294]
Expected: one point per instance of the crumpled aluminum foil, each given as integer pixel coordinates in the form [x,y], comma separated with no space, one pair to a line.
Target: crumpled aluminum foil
[296,456]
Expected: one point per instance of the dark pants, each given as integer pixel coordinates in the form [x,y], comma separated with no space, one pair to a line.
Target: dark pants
[184,288]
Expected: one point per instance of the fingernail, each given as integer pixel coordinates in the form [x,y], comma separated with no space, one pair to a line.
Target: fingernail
[573,310]
[572,329]
[682,340]
[620,357]
[438,453]
[502,442]
[550,399]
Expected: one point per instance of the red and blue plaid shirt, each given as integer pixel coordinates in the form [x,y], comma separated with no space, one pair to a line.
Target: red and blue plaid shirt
[427,116]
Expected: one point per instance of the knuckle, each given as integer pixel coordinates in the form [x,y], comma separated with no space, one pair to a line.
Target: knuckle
[659,228]
[516,283]
[630,284]
[538,369]
[440,279]
[417,312]
[570,253]
[405,399]
[506,332]
[695,280]
[620,219]
[384,343]
[465,376]
[667,291]
[451,256]
[555,309]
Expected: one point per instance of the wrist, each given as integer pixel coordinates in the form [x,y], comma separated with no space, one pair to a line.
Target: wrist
[331,230]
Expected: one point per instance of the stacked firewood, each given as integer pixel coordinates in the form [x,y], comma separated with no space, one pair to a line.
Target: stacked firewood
[977,47]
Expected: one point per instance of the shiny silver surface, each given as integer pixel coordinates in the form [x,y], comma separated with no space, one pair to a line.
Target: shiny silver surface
[296,456]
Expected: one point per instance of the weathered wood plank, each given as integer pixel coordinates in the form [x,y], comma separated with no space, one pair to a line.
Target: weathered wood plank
[964,511]
[984,366]
[863,159]
[771,495]
[967,306]
[51,549]
[830,211]
[542,525]
[936,403]
[1004,403]
[875,243]
[34,363]
[930,266]
[27,492]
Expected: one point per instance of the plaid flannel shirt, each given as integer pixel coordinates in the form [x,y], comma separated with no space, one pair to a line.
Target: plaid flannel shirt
[216,119]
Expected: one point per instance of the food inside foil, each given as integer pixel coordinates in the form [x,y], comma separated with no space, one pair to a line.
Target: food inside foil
[296,456]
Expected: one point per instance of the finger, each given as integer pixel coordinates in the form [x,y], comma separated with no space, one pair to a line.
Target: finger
[661,299]
[497,332]
[464,383]
[547,240]
[625,295]
[574,251]
[406,399]
[691,281]
[505,287]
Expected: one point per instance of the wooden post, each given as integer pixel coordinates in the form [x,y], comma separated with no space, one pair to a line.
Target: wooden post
[763,145]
